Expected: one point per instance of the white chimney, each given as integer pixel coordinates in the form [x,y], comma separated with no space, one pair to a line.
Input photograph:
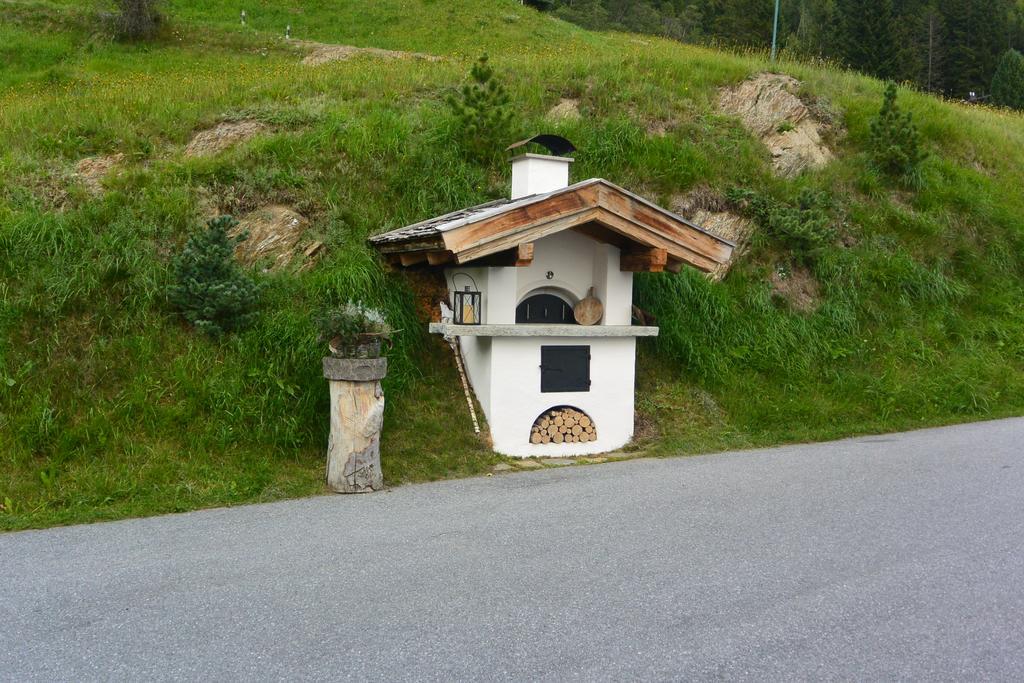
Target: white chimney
[538,174]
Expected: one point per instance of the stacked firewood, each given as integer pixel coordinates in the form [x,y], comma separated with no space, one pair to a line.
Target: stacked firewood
[563,425]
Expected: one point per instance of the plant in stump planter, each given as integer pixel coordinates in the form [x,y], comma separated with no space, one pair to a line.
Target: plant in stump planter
[353,372]
[353,331]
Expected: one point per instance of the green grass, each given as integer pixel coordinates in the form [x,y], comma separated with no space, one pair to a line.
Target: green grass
[110,407]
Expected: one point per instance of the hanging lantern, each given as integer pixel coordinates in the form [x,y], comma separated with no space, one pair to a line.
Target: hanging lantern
[467,307]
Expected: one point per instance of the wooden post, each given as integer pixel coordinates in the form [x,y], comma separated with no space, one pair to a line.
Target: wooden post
[357,412]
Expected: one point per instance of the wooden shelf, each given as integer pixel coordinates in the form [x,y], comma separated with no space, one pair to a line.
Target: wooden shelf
[528,330]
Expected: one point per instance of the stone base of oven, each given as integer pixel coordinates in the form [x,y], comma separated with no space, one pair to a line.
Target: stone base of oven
[563,450]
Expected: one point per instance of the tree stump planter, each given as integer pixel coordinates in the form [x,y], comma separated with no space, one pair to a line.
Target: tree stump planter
[357,412]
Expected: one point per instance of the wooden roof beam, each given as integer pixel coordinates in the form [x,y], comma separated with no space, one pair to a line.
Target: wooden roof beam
[652,260]
[439,258]
[412,258]
[518,256]
[428,243]
[524,255]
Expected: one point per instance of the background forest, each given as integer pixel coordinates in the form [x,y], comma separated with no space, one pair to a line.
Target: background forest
[950,47]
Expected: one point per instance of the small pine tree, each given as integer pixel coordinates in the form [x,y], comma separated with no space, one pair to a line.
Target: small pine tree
[895,144]
[1008,81]
[482,112]
[210,289]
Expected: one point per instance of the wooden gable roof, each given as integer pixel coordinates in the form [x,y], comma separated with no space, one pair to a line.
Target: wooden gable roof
[503,232]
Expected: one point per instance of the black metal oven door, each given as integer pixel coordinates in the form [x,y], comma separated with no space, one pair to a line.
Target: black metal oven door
[564,368]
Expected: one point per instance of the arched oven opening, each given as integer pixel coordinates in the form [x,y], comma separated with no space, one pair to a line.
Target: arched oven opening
[563,424]
[545,306]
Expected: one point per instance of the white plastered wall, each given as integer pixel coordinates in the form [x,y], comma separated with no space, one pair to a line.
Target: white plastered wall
[516,399]
[505,371]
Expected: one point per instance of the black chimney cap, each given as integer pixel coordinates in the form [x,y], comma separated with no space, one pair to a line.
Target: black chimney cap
[555,144]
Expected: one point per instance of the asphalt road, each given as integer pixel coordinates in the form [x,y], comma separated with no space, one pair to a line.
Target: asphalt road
[895,557]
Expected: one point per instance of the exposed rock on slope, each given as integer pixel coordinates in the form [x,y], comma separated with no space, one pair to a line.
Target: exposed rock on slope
[730,226]
[213,140]
[769,107]
[566,110]
[323,53]
[709,211]
[275,235]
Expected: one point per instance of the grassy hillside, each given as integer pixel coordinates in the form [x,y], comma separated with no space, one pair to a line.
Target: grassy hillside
[110,406]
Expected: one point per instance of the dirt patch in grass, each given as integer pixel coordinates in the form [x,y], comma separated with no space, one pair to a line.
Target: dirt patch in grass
[659,128]
[797,286]
[91,171]
[215,140]
[771,109]
[325,53]
[276,238]
[49,185]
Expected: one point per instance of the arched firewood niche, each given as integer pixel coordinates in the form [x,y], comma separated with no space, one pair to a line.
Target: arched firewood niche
[563,424]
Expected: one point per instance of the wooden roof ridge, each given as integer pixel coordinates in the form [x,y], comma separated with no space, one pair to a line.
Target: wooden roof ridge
[656,207]
[596,207]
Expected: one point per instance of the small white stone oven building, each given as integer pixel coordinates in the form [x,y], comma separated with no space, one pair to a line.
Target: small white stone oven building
[533,258]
